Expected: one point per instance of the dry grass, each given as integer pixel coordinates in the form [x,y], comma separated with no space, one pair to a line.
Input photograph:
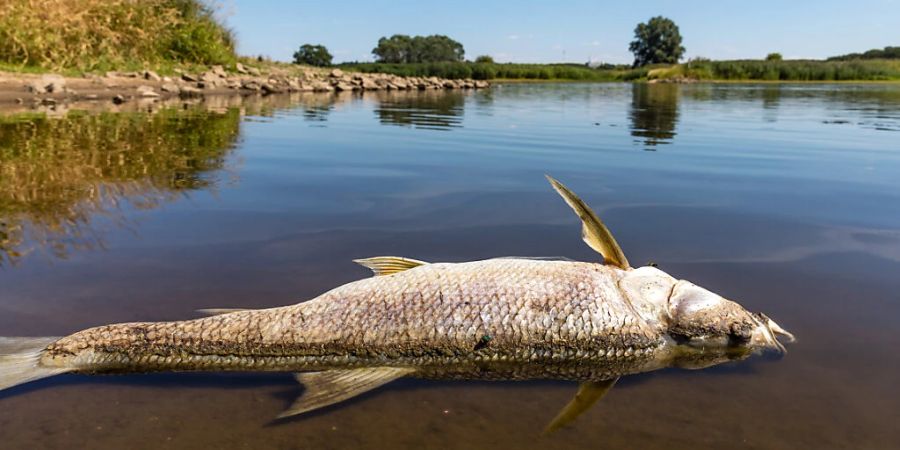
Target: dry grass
[106,34]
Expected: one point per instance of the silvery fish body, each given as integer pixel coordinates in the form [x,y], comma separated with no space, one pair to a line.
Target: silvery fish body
[499,318]
[504,318]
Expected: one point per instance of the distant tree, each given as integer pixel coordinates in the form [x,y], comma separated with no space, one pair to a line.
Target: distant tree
[774,57]
[313,55]
[395,49]
[401,48]
[485,59]
[657,41]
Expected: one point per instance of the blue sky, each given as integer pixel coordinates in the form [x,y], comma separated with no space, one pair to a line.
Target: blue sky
[572,31]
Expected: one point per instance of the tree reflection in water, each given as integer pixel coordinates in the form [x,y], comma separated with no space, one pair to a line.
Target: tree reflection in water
[434,109]
[654,113]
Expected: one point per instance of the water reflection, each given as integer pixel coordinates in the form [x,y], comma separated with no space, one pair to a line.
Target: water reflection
[316,108]
[435,109]
[60,174]
[654,113]
[793,217]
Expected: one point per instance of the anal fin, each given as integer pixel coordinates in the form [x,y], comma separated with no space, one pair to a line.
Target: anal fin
[332,386]
[588,393]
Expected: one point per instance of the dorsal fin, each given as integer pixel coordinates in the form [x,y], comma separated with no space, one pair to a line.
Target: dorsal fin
[386,265]
[332,386]
[588,393]
[593,231]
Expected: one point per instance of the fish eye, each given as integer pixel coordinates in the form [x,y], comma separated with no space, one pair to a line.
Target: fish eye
[738,338]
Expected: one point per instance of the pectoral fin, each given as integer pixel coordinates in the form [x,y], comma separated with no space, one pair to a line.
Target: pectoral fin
[593,231]
[386,265]
[332,386]
[588,393]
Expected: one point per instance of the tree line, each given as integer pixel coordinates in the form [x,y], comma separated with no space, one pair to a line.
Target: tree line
[397,49]
[875,53]
[403,49]
[657,41]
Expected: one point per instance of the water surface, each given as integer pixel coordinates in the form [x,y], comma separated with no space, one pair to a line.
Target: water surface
[783,197]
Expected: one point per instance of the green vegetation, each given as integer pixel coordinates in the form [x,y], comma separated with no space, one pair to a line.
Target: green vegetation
[111,34]
[774,57]
[401,48]
[656,42]
[488,71]
[775,70]
[485,59]
[696,69]
[886,53]
[313,55]
[57,174]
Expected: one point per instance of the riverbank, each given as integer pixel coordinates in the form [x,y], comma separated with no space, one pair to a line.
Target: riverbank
[120,87]
[690,71]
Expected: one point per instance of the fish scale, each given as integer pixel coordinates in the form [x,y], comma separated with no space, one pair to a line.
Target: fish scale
[423,316]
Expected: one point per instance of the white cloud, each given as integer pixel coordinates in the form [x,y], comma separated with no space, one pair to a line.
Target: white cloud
[513,37]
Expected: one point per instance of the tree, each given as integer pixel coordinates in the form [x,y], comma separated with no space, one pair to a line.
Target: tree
[314,55]
[395,49]
[401,48]
[774,57]
[485,59]
[657,41]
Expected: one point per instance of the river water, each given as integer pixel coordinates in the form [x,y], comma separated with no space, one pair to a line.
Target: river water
[783,197]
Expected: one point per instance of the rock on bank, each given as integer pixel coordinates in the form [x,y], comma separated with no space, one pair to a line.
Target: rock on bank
[121,87]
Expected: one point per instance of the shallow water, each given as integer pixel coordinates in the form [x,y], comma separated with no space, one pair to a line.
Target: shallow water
[783,197]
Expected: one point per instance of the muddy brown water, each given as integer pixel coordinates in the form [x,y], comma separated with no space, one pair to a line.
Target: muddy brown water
[783,197]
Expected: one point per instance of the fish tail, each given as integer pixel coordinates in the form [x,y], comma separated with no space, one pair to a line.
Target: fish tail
[20,360]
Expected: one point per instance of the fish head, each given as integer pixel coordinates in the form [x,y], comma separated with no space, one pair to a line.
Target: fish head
[701,320]
[707,328]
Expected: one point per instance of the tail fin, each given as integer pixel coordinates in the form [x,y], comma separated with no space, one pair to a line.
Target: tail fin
[20,360]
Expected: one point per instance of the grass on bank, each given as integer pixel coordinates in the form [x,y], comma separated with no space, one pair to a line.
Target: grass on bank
[97,35]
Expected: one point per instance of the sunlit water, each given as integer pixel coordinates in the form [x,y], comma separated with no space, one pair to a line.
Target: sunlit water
[783,197]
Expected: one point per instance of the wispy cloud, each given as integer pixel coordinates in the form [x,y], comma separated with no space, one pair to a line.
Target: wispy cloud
[513,37]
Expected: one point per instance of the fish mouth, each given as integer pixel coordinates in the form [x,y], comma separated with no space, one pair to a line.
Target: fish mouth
[766,336]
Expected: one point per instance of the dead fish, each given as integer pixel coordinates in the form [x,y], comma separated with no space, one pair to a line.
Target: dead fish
[497,319]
